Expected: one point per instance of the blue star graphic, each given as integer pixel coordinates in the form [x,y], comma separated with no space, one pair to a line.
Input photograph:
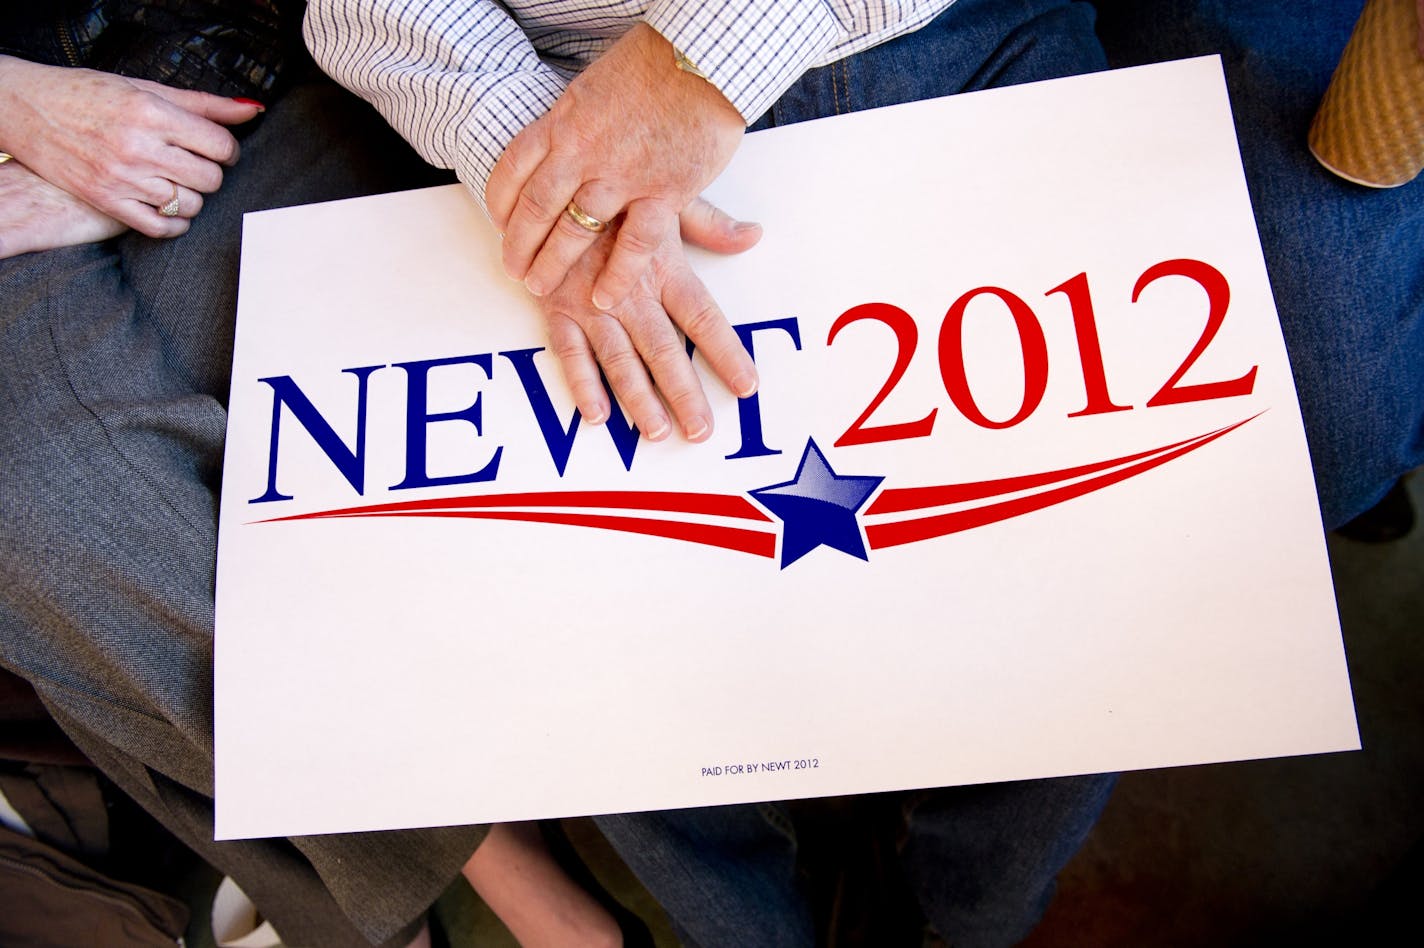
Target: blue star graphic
[817,508]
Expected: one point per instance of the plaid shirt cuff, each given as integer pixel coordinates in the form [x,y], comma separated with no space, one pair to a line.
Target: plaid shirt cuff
[752,50]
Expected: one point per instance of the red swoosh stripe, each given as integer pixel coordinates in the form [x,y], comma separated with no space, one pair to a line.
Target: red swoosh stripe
[762,543]
[918,498]
[716,505]
[756,542]
[881,536]
[728,538]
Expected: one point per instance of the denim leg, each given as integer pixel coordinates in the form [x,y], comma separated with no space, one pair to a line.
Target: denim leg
[726,875]
[983,859]
[1345,261]
[973,45]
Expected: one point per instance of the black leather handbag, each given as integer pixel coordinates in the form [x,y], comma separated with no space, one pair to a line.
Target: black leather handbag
[227,47]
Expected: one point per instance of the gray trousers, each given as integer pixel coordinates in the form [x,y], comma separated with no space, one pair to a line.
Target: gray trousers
[114,364]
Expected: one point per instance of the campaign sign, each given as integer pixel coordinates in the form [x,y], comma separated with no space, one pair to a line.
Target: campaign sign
[1024,491]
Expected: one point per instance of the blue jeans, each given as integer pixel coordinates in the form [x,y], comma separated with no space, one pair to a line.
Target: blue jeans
[982,859]
[1345,261]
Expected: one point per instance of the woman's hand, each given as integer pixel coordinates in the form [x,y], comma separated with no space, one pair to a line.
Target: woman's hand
[36,215]
[124,146]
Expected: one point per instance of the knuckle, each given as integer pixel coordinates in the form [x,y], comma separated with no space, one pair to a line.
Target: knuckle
[621,365]
[685,401]
[533,205]
[129,145]
[148,110]
[603,329]
[149,228]
[636,240]
[579,138]
[567,347]
[703,320]
[664,352]
[572,229]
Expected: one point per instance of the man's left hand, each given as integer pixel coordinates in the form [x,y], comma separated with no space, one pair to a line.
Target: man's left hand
[633,134]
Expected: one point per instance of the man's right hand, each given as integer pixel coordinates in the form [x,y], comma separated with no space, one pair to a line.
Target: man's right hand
[636,342]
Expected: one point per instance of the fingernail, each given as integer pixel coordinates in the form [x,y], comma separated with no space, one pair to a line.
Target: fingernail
[658,430]
[743,227]
[534,286]
[695,429]
[252,102]
[744,386]
[596,417]
[601,302]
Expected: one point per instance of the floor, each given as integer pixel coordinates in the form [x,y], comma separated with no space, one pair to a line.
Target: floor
[1301,851]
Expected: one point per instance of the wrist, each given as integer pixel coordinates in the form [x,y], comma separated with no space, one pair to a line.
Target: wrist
[674,67]
[15,77]
[12,72]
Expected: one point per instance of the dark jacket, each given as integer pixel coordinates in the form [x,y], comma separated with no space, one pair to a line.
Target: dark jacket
[227,47]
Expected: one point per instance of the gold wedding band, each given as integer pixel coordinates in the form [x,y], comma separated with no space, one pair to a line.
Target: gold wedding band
[171,208]
[586,221]
[5,156]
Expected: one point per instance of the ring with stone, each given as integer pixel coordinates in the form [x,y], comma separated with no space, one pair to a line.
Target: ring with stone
[171,208]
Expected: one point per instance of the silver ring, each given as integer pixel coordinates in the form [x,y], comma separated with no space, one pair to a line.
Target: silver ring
[171,208]
[585,220]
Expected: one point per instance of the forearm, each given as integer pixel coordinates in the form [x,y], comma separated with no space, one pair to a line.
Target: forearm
[12,104]
[457,79]
[517,877]
[35,215]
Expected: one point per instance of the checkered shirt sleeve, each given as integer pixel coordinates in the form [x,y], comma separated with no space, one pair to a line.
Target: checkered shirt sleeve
[457,79]
[755,49]
[460,78]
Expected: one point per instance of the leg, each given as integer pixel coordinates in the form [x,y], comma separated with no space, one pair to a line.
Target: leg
[518,878]
[724,875]
[974,45]
[722,872]
[983,859]
[1344,260]
[112,361]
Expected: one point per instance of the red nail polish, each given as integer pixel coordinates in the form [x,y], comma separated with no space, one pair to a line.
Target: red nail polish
[253,102]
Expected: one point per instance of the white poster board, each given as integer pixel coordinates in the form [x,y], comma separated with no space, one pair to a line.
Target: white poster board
[1078,533]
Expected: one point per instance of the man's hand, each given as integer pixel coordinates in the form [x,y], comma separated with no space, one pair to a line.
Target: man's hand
[631,133]
[36,215]
[636,341]
[122,145]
